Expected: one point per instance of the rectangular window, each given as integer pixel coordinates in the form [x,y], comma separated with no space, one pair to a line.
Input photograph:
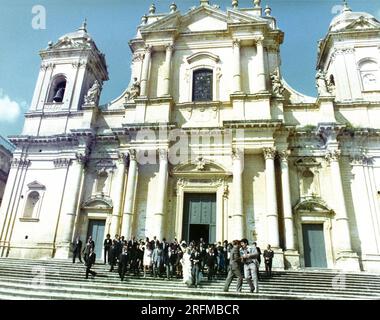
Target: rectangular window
[202,85]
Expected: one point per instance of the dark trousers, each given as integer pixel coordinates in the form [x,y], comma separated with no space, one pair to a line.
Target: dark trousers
[88,270]
[77,254]
[122,271]
[106,255]
[211,271]
[268,267]
[231,274]
[195,274]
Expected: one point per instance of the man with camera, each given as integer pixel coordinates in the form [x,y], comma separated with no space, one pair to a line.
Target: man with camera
[249,255]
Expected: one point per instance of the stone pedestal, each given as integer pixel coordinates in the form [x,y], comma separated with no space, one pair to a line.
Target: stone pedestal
[278,259]
[347,261]
[292,259]
[371,262]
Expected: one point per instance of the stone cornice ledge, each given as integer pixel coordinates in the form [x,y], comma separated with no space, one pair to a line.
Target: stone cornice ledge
[53,114]
[270,123]
[65,138]
[151,126]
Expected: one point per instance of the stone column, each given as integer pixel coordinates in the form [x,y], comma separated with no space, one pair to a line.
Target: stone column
[145,71]
[343,241]
[272,216]
[237,68]
[238,213]
[286,201]
[118,198]
[260,65]
[291,255]
[161,194]
[273,236]
[167,69]
[126,227]
[70,205]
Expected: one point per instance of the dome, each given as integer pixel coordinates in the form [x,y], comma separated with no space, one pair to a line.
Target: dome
[344,19]
[78,36]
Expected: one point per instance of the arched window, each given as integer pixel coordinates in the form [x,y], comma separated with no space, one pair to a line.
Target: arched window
[369,74]
[57,89]
[202,85]
[31,204]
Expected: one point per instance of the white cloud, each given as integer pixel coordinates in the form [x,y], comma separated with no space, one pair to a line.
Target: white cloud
[9,110]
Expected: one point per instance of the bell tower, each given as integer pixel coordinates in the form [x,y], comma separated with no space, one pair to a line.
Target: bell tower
[349,56]
[69,68]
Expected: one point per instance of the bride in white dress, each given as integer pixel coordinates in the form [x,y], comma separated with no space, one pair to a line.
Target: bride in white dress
[186,267]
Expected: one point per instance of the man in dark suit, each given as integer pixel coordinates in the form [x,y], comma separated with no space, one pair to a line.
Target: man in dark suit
[107,247]
[195,259]
[90,262]
[268,257]
[123,262]
[211,262]
[90,244]
[234,268]
[77,249]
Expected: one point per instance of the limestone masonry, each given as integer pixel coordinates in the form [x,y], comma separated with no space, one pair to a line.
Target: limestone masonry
[207,141]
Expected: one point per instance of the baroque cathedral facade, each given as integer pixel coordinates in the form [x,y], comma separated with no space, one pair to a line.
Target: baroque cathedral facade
[207,141]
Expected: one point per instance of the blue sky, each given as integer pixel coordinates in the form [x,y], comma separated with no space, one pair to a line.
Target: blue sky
[112,23]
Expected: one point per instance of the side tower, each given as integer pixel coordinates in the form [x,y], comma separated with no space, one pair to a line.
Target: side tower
[69,69]
[349,56]
[45,183]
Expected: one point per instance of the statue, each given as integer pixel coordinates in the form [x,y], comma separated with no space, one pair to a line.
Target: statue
[331,85]
[93,94]
[322,83]
[134,90]
[278,88]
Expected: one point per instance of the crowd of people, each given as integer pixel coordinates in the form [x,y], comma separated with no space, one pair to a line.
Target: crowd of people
[189,261]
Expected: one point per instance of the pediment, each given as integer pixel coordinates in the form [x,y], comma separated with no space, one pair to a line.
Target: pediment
[362,24]
[234,16]
[199,165]
[171,21]
[203,20]
[98,203]
[35,185]
[313,205]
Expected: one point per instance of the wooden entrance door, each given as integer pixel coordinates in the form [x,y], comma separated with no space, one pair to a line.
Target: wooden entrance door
[199,219]
[314,245]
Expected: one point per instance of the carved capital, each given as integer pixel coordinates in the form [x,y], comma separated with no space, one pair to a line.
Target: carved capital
[137,57]
[284,155]
[81,158]
[148,49]
[259,40]
[121,158]
[61,163]
[269,153]
[333,155]
[132,154]
[169,47]
[237,154]
[236,43]
[20,163]
[79,64]
[163,154]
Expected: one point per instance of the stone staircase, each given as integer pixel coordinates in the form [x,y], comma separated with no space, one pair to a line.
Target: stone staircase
[61,279]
